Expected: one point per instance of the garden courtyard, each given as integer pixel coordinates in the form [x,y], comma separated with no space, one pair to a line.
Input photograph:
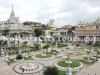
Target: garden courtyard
[40,59]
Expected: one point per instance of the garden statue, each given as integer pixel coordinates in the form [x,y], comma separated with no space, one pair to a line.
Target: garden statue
[20,52]
[2,53]
[7,58]
[26,55]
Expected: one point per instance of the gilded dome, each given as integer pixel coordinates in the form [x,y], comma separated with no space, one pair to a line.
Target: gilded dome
[51,25]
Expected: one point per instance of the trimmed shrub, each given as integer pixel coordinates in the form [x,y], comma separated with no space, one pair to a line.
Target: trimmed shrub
[19,56]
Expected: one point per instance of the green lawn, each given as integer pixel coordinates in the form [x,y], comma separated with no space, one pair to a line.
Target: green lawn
[47,56]
[73,64]
[86,63]
[96,51]
[62,72]
[11,60]
[80,48]
[52,53]
[29,58]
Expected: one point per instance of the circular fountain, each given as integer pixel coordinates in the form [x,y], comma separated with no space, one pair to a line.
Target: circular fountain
[29,67]
[68,62]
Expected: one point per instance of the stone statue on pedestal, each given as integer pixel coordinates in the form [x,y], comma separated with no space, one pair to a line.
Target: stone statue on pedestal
[2,53]
[7,58]
[20,52]
[26,55]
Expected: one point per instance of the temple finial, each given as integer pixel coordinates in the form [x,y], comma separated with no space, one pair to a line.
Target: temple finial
[98,18]
[12,7]
[12,12]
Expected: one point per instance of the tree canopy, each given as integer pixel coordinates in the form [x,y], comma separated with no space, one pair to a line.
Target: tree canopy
[77,45]
[24,44]
[38,32]
[46,47]
[37,46]
[73,28]
[51,70]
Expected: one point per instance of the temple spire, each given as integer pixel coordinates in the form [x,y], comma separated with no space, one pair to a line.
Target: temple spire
[12,7]
[12,15]
[98,18]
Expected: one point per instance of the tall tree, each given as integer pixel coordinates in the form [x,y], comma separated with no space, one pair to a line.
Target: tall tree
[53,44]
[46,47]
[37,46]
[51,70]
[24,44]
[38,32]
[73,28]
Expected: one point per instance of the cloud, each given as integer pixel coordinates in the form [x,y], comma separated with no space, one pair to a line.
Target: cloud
[92,3]
[63,11]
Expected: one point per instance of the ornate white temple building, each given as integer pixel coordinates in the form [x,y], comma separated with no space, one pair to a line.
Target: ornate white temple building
[14,28]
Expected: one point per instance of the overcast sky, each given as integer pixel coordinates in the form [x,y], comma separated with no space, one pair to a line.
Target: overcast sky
[64,12]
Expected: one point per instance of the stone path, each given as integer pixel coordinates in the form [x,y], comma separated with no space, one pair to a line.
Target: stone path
[92,70]
[5,69]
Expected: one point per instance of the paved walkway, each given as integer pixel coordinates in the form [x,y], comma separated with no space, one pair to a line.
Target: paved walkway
[92,70]
[5,69]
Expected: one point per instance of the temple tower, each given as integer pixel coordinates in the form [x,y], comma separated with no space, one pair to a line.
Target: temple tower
[12,15]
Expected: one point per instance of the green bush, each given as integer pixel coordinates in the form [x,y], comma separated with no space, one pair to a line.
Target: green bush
[3,42]
[96,45]
[9,53]
[19,56]
[77,45]
[89,44]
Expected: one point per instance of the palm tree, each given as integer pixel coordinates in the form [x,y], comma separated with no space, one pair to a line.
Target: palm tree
[51,70]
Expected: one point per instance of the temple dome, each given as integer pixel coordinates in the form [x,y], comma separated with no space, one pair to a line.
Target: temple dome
[97,22]
[52,26]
